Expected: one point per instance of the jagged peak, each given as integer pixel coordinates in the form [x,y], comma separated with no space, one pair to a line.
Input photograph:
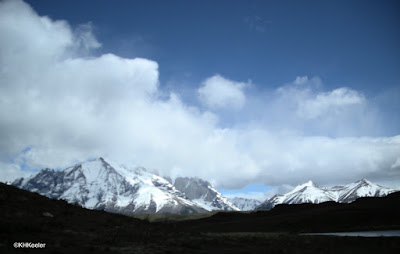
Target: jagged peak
[45,170]
[101,159]
[365,181]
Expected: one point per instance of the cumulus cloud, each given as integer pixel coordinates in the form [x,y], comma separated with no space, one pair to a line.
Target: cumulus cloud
[57,103]
[60,104]
[305,103]
[219,92]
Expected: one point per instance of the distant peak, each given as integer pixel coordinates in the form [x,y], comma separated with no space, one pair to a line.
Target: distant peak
[47,170]
[102,159]
[364,181]
[105,161]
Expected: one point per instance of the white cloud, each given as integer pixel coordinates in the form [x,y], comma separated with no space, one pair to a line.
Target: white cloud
[335,101]
[300,80]
[10,171]
[297,159]
[314,111]
[58,107]
[219,92]
[55,102]
[396,164]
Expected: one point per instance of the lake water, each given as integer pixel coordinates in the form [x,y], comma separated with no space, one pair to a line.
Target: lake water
[384,233]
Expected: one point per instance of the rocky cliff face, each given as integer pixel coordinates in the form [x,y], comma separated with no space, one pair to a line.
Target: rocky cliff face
[203,194]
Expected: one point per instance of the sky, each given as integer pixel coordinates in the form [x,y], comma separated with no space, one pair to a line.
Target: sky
[250,95]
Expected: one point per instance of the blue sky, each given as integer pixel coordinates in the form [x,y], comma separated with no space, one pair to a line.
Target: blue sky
[242,93]
[344,42]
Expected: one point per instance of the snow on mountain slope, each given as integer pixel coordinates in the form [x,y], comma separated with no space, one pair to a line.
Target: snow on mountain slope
[203,194]
[362,188]
[107,185]
[101,184]
[244,204]
[308,193]
[312,193]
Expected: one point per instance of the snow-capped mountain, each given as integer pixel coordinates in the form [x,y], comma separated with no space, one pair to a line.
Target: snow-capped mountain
[107,185]
[312,193]
[101,184]
[203,194]
[363,188]
[245,204]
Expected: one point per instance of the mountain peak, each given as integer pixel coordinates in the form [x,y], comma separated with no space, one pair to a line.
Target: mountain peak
[111,186]
[203,193]
[365,181]
[311,193]
[47,170]
[102,183]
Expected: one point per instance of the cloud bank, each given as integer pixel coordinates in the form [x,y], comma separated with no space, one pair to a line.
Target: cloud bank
[61,104]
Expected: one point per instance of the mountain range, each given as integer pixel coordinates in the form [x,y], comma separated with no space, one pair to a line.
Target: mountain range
[102,184]
[312,193]
[106,185]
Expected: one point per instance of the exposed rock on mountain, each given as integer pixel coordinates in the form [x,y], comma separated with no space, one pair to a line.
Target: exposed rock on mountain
[203,194]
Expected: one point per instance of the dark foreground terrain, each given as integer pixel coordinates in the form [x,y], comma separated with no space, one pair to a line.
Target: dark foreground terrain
[65,228]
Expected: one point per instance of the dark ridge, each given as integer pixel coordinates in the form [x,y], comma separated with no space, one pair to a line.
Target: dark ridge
[368,213]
